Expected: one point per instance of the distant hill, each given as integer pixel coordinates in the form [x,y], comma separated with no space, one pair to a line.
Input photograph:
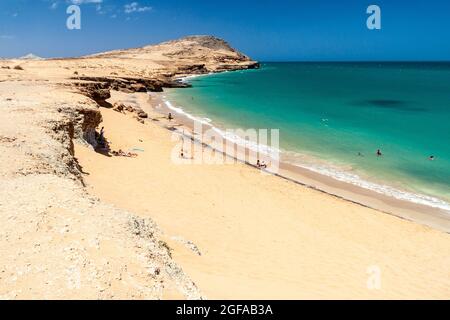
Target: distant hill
[193,54]
[31,56]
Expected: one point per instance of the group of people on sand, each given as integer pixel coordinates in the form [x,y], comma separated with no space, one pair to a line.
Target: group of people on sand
[102,143]
[121,153]
[261,165]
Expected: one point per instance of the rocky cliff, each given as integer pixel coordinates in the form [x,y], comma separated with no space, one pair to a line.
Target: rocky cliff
[56,241]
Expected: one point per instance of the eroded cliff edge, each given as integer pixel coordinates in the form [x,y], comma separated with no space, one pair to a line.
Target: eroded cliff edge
[56,240]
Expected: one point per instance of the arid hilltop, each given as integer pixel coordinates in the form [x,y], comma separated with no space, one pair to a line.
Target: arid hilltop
[56,240]
[191,55]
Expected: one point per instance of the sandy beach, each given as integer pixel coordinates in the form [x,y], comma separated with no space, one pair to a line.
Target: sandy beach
[241,234]
[81,223]
[188,125]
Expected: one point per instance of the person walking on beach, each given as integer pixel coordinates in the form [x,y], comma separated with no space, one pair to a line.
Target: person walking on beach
[170,117]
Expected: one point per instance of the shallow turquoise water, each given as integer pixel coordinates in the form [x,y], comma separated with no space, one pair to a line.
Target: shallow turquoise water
[333,111]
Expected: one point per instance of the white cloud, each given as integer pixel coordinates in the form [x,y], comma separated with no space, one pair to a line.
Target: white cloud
[6,37]
[135,7]
[86,1]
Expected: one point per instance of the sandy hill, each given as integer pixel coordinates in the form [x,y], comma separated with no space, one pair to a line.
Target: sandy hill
[198,54]
[56,241]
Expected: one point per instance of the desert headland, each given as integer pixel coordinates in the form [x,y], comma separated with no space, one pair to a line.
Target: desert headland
[129,223]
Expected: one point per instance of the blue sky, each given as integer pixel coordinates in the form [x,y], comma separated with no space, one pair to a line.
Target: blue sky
[267,30]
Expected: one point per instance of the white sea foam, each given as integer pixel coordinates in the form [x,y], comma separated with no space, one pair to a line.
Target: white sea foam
[180,110]
[193,76]
[379,188]
[326,170]
[227,135]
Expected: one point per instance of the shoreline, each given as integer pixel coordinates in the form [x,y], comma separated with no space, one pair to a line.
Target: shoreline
[240,234]
[85,224]
[436,202]
[436,218]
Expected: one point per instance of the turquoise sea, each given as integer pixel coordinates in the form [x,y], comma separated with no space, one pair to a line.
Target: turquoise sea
[333,117]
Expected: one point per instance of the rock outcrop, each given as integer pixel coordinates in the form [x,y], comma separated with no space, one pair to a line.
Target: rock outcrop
[139,114]
[57,242]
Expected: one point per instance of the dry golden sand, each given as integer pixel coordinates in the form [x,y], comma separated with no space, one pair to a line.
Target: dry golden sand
[261,236]
[258,236]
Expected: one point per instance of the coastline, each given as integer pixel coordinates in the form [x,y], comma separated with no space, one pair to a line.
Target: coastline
[59,242]
[430,216]
[85,224]
[246,235]
[402,174]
